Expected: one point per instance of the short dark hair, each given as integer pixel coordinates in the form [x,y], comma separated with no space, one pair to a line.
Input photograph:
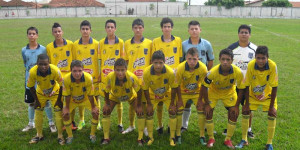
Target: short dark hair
[111,21]
[42,57]
[120,62]
[85,23]
[262,50]
[226,51]
[76,63]
[56,25]
[138,22]
[193,22]
[192,51]
[166,20]
[244,26]
[33,28]
[158,55]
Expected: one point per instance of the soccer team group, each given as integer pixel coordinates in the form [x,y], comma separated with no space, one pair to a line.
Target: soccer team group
[147,74]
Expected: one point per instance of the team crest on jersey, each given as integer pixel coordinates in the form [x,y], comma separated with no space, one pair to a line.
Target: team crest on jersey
[54,55]
[78,52]
[231,81]
[116,91]
[117,52]
[127,90]
[174,49]
[250,55]
[145,51]
[83,89]
[197,77]
[253,77]
[203,52]
[68,53]
[268,76]
[165,81]
[52,82]
[131,52]
[92,51]
[151,82]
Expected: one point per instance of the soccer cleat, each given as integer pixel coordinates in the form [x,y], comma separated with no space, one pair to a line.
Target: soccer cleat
[269,147]
[160,130]
[203,141]
[183,129]
[141,142]
[168,130]
[172,142]
[224,132]
[150,141]
[210,143]
[99,126]
[146,132]
[52,128]
[74,127]
[69,140]
[105,141]
[36,139]
[129,129]
[28,127]
[120,128]
[250,134]
[228,143]
[61,141]
[93,138]
[81,124]
[241,144]
[178,139]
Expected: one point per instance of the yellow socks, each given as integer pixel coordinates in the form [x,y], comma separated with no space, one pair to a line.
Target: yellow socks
[39,122]
[120,113]
[178,123]
[106,126]
[159,114]
[81,112]
[210,128]
[172,124]
[149,125]
[72,115]
[131,115]
[68,127]
[245,126]
[271,129]
[230,129]
[59,122]
[141,125]
[94,124]
[201,123]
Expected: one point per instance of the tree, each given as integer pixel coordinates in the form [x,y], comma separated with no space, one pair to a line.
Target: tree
[227,3]
[277,3]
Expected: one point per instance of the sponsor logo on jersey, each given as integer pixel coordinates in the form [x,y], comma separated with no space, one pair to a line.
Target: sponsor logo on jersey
[160,90]
[78,98]
[138,73]
[62,63]
[170,60]
[92,51]
[117,52]
[145,51]
[203,52]
[175,50]
[123,98]
[250,55]
[87,61]
[139,62]
[48,91]
[192,86]
[90,71]
[242,64]
[68,53]
[109,62]
[107,71]
[259,88]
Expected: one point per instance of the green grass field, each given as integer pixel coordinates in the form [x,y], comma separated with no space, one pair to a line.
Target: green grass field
[282,36]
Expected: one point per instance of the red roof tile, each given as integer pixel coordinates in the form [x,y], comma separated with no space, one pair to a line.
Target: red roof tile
[75,3]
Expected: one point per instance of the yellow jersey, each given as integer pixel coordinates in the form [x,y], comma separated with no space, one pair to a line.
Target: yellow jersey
[159,86]
[61,56]
[172,50]
[88,55]
[124,92]
[190,82]
[224,86]
[109,54]
[45,85]
[138,56]
[261,82]
[78,91]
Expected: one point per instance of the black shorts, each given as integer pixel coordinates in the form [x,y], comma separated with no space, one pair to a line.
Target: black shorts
[28,96]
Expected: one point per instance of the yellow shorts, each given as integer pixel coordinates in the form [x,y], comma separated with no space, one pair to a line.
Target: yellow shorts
[166,101]
[228,100]
[43,99]
[96,89]
[254,103]
[115,99]
[85,103]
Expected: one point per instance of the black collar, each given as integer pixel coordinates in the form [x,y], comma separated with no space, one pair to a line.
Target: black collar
[116,40]
[48,72]
[267,67]
[230,71]
[162,38]
[187,68]
[190,41]
[54,43]
[28,47]
[90,41]
[164,70]
[132,40]
[81,80]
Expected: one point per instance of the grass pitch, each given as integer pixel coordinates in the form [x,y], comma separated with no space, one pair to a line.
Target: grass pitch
[282,36]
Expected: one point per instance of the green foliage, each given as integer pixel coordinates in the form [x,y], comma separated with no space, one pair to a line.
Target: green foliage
[277,3]
[227,3]
[185,6]
[172,0]
[151,6]
[46,6]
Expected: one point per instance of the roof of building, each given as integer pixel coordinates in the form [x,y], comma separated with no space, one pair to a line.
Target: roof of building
[75,3]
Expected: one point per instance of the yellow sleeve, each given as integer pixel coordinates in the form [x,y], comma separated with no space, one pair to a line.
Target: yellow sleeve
[178,75]
[203,73]
[172,82]
[66,87]
[89,86]
[208,79]
[74,49]
[239,80]
[126,50]
[247,79]
[180,47]
[145,83]
[136,84]
[48,52]
[107,83]
[273,79]
[58,77]
[154,46]
[32,78]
